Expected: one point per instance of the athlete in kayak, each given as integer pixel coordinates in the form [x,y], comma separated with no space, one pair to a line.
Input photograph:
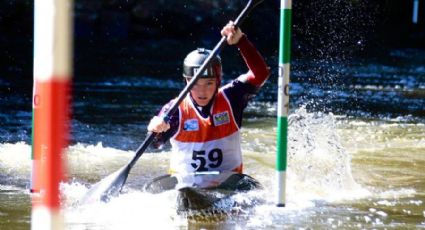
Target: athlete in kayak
[205,130]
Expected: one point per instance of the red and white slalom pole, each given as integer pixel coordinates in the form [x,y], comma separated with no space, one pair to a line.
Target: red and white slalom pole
[51,99]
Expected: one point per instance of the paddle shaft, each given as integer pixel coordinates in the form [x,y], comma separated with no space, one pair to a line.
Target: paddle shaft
[149,138]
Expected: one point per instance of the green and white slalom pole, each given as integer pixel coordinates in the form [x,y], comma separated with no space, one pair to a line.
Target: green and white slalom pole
[283,99]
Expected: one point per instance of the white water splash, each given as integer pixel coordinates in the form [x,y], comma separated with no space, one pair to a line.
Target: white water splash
[319,174]
[15,165]
[319,167]
[127,211]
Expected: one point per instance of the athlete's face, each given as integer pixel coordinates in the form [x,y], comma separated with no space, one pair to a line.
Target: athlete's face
[203,90]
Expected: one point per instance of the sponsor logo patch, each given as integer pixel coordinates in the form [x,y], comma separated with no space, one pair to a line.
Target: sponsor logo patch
[191,125]
[221,118]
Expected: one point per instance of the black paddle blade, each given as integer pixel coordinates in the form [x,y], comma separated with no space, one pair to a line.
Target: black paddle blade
[112,184]
[256,2]
[250,5]
[109,186]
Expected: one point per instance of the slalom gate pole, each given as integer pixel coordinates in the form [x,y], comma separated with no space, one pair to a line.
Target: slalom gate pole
[51,99]
[283,99]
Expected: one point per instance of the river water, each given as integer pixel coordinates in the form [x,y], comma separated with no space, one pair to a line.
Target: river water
[356,149]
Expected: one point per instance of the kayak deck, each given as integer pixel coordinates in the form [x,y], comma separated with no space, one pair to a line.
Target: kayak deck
[210,204]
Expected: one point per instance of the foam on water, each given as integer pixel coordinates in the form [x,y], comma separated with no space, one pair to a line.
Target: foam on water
[319,171]
[127,211]
[95,160]
[15,165]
